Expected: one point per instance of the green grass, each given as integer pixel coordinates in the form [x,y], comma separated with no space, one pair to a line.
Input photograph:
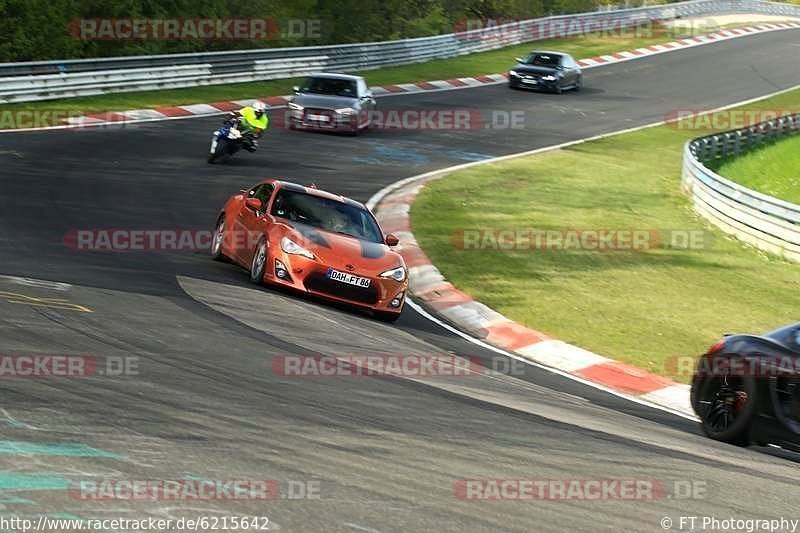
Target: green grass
[490,62]
[639,307]
[773,169]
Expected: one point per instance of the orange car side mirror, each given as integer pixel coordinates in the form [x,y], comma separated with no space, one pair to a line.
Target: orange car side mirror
[392,240]
[254,203]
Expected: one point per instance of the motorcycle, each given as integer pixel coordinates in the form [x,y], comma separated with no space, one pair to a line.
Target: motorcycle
[226,141]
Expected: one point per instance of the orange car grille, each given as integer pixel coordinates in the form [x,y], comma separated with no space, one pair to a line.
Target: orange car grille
[322,284]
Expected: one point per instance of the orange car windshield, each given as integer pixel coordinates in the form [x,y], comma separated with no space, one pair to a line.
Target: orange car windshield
[326,214]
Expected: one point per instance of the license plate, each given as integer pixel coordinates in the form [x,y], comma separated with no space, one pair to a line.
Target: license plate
[318,118]
[532,82]
[350,279]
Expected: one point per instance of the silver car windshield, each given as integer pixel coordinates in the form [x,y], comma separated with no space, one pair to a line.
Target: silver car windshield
[330,86]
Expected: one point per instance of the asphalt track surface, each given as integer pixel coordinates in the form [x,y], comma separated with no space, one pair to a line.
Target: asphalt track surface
[388,451]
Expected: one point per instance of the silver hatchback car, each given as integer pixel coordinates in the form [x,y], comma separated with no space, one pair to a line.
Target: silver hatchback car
[329,101]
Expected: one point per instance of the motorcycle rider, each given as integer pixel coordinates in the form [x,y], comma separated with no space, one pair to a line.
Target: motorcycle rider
[254,121]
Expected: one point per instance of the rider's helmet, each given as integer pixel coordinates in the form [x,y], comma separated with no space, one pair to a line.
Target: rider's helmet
[260,108]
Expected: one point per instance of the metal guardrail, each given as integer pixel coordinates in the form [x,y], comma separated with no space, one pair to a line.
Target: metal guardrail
[43,80]
[760,220]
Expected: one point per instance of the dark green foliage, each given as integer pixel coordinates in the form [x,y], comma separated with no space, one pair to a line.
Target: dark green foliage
[37,29]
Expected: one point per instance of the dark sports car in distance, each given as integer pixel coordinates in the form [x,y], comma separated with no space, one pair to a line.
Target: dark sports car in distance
[548,71]
[746,389]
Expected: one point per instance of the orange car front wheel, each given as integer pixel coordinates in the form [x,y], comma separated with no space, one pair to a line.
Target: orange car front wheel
[259,263]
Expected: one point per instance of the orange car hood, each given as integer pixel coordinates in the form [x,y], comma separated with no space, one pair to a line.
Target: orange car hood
[338,250]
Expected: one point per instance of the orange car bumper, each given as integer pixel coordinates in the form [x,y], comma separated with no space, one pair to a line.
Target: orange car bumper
[309,276]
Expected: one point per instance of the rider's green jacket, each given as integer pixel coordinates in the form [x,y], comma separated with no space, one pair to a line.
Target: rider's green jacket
[253,123]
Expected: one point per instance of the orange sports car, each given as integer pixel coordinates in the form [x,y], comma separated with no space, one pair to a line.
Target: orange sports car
[315,242]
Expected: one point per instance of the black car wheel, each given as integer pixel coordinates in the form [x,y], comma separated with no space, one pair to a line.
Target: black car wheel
[259,263]
[216,243]
[579,83]
[726,406]
[557,89]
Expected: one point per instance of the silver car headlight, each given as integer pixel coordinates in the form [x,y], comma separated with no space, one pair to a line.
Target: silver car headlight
[295,107]
[549,77]
[345,111]
[291,247]
[513,73]
[397,274]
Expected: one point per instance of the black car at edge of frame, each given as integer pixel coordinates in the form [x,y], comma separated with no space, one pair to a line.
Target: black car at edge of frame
[746,389]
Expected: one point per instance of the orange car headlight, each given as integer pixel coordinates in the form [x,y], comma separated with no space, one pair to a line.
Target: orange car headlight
[397,274]
[291,247]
